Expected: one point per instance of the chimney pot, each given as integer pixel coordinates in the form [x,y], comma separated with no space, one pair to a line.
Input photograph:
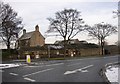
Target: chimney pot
[24,31]
[37,28]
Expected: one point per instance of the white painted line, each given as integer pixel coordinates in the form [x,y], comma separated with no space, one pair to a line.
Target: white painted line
[14,74]
[111,63]
[74,64]
[84,71]
[29,79]
[3,66]
[55,64]
[81,69]
[70,72]
[38,72]
[85,67]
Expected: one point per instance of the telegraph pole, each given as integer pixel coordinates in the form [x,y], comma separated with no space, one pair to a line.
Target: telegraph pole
[118,26]
[118,15]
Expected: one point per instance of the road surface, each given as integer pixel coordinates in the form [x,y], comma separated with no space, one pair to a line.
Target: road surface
[74,70]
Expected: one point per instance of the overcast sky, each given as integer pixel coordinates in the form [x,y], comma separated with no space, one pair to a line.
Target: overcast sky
[35,12]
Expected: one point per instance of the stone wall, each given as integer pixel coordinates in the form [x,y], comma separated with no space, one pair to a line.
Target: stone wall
[37,39]
[90,52]
[60,53]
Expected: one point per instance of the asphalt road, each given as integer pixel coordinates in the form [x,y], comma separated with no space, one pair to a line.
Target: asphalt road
[74,70]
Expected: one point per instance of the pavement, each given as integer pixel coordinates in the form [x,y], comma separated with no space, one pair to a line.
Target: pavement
[72,70]
[110,73]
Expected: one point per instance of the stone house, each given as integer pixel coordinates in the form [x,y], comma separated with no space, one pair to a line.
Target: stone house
[30,39]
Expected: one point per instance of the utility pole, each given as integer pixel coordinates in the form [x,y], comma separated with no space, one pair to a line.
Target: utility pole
[119,23]
[118,15]
[119,26]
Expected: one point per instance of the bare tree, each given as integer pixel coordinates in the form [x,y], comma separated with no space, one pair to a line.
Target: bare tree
[67,23]
[10,24]
[101,31]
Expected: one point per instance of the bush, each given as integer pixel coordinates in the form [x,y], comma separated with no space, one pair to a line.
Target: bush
[7,54]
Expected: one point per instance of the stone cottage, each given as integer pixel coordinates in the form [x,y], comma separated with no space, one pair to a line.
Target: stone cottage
[30,39]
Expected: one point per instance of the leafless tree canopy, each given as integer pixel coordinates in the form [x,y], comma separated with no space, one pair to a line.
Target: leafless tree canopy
[10,24]
[67,23]
[101,31]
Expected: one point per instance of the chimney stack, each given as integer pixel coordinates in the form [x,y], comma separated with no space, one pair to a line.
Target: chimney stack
[36,28]
[24,31]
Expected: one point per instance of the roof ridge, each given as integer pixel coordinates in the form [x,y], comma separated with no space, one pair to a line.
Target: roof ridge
[29,32]
[27,35]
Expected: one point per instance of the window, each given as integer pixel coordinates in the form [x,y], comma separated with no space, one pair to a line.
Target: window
[25,43]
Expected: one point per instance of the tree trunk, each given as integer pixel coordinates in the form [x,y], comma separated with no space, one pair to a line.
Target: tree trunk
[64,47]
[102,46]
[119,49]
[8,46]
[102,50]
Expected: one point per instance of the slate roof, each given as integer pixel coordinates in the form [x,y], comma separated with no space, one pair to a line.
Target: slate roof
[61,41]
[60,47]
[26,36]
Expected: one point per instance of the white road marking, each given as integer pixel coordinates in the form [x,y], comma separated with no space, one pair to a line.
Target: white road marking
[74,71]
[38,72]
[14,74]
[84,71]
[74,64]
[4,66]
[111,63]
[86,67]
[70,72]
[30,79]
